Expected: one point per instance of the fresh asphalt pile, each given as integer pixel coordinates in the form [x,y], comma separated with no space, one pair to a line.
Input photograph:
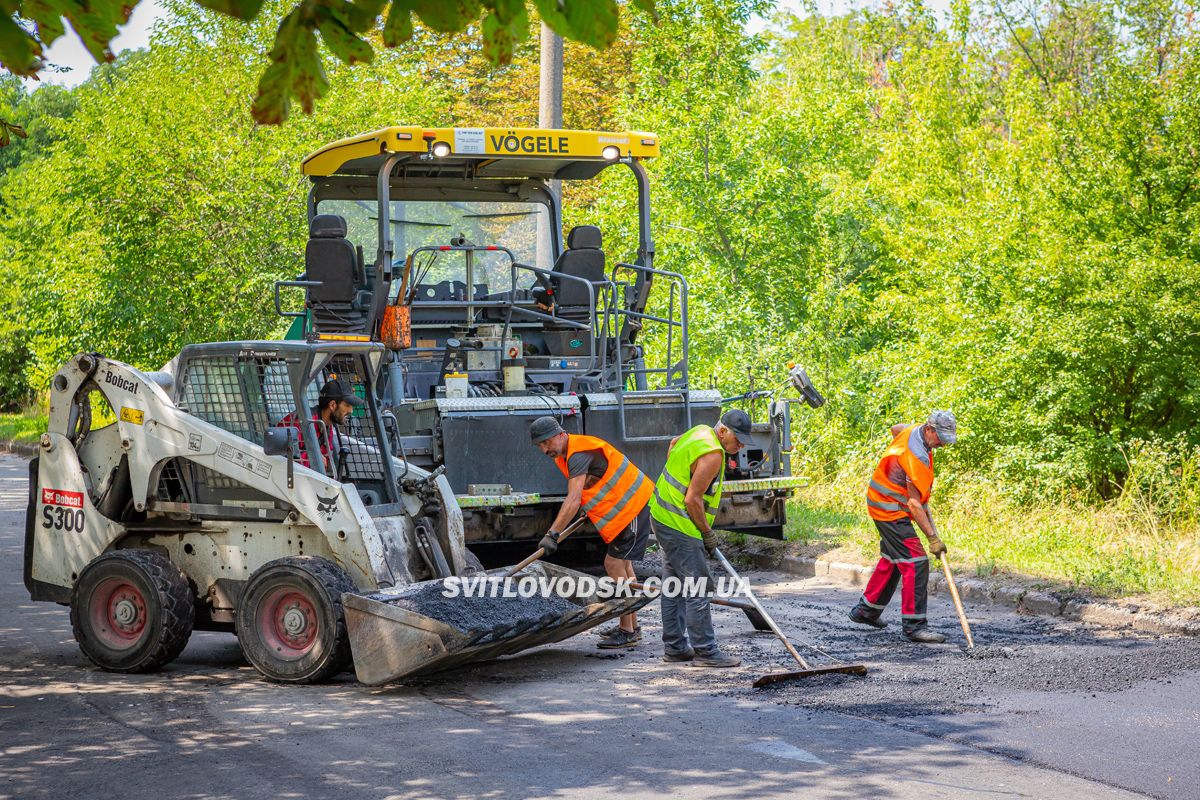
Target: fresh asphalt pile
[905,680]
[475,614]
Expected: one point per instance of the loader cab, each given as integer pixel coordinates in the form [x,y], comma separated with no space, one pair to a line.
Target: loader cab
[250,388]
[448,246]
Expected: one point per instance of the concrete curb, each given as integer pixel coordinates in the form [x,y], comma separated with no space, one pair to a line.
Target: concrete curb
[18,448]
[1024,599]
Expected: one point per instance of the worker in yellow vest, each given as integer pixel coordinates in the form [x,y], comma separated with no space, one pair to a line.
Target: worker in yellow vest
[686,499]
[614,494]
[897,496]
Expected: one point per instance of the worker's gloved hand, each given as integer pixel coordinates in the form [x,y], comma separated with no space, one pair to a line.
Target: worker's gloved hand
[935,545]
[710,541]
[549,543]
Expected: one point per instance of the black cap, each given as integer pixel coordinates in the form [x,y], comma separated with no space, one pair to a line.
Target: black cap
[338,389]
[738,421]
[544,428]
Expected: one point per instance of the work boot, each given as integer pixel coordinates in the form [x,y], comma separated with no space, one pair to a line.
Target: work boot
[621,638]
[675,658]
[608,633]
[715,659]
[924,635]
[859,616]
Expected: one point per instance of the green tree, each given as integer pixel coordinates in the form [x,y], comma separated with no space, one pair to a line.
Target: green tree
[163,213]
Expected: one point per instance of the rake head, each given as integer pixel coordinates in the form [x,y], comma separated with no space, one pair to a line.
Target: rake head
[779,677]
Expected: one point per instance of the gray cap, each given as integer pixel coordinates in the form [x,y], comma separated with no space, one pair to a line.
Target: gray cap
[738,421]
[945,425]
[544,428]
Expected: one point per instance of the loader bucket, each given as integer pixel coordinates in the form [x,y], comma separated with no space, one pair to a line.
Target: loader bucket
[391,642]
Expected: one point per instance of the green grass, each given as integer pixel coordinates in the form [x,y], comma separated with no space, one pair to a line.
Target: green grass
[1118,549]
[23,428]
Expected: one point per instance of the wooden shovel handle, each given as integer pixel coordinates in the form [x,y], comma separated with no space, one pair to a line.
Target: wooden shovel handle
[541,551]
[958,606]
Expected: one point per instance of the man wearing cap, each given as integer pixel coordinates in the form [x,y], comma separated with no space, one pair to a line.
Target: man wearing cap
[335,403]
[685,504]
[613,493]
[898,496]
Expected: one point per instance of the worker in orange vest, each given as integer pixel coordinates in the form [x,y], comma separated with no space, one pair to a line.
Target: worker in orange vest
[898,496]
[614,494]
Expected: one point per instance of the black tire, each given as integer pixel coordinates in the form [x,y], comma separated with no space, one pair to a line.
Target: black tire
[290,621]
[132,611]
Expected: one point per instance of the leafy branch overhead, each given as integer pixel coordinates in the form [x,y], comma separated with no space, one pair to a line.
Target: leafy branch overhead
[8,130]
[346,27]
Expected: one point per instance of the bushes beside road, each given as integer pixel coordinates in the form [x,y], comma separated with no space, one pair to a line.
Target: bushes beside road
[22,428]
[1145,541]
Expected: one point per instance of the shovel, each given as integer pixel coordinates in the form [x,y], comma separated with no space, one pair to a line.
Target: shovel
[808,670]
[541,551]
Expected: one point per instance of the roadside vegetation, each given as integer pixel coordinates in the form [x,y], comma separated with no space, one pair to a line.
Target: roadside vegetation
[995,211]
[1145,541]
[22,427]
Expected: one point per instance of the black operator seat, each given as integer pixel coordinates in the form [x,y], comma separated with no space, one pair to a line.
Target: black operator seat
[583,258]
[340,303]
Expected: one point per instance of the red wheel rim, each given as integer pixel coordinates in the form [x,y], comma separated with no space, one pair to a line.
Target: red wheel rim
[287,622]
[118,613]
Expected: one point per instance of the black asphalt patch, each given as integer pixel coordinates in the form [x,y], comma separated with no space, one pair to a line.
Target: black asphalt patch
[476,614]
[905,679]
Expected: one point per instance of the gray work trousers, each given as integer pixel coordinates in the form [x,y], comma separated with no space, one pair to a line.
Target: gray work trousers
[684,618]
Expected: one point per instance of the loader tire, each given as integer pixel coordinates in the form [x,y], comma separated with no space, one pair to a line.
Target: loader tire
[290,621]
[132,611]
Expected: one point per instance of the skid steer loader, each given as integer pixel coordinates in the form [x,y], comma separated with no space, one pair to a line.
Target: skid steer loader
[204,505]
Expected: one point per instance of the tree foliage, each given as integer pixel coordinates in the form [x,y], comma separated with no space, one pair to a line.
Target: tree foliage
[996,212]
[296,70]
[996,215]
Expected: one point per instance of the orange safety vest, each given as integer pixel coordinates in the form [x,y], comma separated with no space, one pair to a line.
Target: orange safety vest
[612,502]
[887,501]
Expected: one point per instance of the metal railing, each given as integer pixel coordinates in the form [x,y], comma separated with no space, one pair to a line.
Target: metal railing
[597,327]
[674,372]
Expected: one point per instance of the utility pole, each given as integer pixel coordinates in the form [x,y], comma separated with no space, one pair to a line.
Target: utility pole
[550,89]
[550,104]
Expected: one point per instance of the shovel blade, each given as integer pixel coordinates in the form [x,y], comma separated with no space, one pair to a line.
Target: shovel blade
[756,619]
[779,677]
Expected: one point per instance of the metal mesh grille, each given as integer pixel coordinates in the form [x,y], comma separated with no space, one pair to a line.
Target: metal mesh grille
[245,395]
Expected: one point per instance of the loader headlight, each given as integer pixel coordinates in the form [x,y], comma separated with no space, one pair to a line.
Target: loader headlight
[611,153]
[440,149]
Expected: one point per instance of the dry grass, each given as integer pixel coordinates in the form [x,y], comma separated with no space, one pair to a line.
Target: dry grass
[1134,545]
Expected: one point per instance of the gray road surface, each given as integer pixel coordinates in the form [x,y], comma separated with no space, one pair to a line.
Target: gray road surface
[569,722]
